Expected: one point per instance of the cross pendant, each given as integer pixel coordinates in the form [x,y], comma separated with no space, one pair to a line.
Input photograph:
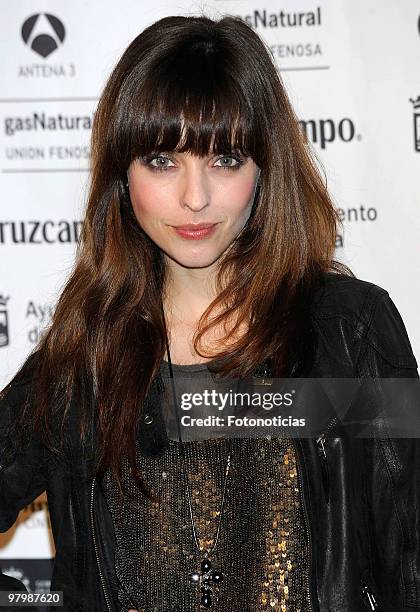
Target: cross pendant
[205,580]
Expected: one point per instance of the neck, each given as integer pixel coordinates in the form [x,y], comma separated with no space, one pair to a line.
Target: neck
[188,291]
[187,294]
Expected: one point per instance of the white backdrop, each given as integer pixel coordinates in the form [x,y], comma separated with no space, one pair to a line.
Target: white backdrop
[352,72]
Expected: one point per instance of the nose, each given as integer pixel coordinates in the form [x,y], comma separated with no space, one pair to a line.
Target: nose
[195,192]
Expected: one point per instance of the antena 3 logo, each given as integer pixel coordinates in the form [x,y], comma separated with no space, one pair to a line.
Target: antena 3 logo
[47,38]
[44,34]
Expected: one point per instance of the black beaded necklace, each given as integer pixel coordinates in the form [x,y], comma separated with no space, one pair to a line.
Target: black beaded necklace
[208,579]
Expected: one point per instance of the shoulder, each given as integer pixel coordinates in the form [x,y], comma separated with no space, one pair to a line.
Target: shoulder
[22,380]
[368,314]
[345,296]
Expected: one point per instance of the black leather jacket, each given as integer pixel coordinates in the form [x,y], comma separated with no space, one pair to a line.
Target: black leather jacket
[363,535]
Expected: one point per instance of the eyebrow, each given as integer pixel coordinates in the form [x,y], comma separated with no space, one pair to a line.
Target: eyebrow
[175,152]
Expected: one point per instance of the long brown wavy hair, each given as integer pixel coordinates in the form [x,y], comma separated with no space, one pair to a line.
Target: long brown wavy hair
[183,83]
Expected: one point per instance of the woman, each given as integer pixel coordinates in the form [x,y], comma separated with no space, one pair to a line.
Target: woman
[208,248]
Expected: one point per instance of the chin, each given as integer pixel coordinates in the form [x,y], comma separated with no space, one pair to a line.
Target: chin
[201,260]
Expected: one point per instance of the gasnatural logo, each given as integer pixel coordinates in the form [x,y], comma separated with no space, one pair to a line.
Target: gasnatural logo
[290,25]
[4,321]
[416,122]
[283,19]
[43,33]
[43,122]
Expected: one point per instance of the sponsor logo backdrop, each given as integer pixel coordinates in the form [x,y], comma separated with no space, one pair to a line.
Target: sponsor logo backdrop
[351,70]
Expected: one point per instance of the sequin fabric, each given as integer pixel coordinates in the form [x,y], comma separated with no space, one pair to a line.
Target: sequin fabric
[262,548]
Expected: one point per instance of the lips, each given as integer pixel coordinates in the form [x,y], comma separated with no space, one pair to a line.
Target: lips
[195,231]
[194,227]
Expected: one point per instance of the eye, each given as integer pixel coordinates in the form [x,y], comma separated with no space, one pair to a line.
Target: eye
[229,158]
[161,162]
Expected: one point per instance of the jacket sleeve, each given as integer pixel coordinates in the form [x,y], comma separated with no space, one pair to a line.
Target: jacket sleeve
[393,466]
[22,473]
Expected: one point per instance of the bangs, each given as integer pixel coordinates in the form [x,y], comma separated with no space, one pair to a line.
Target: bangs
[188,102]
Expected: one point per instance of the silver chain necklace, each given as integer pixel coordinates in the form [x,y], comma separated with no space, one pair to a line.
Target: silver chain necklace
[208,579]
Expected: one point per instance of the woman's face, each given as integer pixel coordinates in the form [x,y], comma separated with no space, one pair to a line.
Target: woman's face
[172,190]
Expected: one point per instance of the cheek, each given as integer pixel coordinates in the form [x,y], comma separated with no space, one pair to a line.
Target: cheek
[243,189]
[146,201]
[243,196]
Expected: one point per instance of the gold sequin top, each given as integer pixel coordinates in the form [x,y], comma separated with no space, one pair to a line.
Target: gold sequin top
[261,549]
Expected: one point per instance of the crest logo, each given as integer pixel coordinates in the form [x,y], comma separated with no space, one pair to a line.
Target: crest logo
[4,322]
[43,33]
[416,119]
